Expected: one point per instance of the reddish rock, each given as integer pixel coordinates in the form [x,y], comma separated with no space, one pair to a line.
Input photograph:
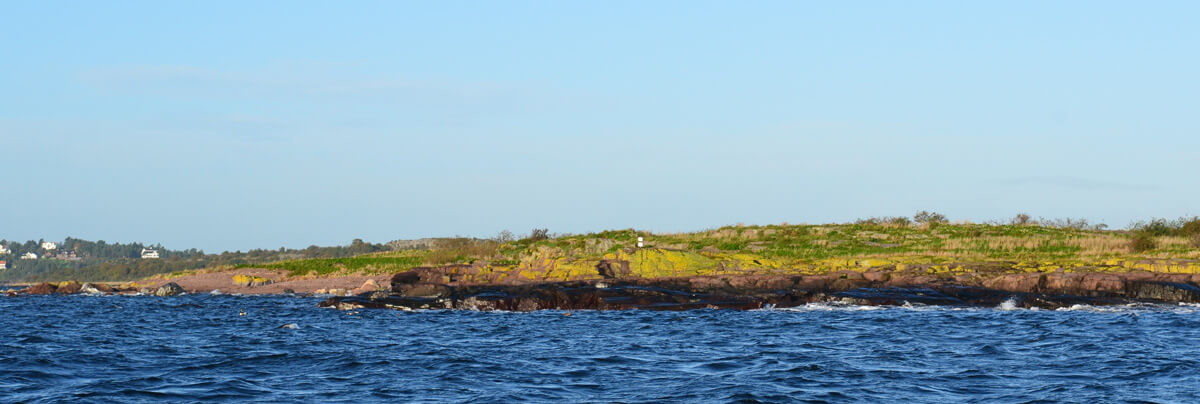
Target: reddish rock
[41,289]
[813,282]
[1060,282]
[1112,283]
[1022,283]
[876,276]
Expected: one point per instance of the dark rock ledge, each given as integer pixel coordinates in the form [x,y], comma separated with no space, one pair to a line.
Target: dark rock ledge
[1048,291]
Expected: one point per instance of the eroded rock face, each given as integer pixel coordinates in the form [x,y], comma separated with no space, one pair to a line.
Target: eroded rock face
[170,289]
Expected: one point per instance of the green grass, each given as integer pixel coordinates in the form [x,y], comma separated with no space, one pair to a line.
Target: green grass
[371,264]
[788,248]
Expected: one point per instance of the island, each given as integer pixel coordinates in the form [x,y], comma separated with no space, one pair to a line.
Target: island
[925,260]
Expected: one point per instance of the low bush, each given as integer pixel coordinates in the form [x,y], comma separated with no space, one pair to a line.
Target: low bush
[1142,241]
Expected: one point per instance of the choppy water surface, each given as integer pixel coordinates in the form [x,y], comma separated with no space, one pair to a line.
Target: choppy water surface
[199,347]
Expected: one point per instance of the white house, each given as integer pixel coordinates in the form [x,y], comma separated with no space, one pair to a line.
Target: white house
[49,245]
[149,254]
[4,250]
[28,256]
[3,264]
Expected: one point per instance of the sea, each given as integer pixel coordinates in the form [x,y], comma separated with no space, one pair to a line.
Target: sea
[224,348]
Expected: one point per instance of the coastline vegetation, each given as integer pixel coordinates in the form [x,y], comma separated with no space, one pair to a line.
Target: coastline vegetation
[927,241]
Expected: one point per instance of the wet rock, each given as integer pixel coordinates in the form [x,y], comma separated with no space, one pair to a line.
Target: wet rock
[170,289]
[95,289]
[424,290]
[405,278]
[1163,291]
[416,291]
[897,296]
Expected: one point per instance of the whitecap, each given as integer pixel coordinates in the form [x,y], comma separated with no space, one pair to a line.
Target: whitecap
[1008,305]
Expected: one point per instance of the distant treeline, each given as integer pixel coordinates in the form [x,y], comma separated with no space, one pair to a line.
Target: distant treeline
[102,261]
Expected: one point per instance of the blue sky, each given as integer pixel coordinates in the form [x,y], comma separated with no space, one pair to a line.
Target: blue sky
[237,125]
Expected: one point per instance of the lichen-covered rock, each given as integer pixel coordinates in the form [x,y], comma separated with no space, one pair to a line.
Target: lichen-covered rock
[68,288]
[170,289]
[250,281]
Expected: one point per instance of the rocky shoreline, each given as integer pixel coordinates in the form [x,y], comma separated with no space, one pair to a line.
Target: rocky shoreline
[437,288]
[420,290]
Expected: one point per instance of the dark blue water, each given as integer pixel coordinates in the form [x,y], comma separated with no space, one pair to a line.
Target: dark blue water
[198,348]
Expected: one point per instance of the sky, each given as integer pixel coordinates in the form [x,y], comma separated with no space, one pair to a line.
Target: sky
[232,125]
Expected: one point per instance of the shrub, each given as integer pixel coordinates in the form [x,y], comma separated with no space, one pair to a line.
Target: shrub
[1195,240]
[1069,223]
[1142,241]
[885,221]
[1156,227]
[929,218]
[505,236]
[452,250]
[538,234]
[1191,228]
[1021,219]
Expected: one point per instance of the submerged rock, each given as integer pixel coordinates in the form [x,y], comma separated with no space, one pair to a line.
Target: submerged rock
[170,289]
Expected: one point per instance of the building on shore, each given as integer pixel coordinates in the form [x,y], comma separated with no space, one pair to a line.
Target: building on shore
[49,245]
[4,250]
[67,255]
[29,256]
[3,264]
[149,254]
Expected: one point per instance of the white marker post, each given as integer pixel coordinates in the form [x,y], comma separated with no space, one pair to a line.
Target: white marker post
[639,242]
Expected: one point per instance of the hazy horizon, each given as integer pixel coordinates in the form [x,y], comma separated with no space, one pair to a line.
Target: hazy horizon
[234,126]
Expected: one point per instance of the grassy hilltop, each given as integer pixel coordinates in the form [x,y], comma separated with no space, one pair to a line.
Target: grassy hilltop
[931,245]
